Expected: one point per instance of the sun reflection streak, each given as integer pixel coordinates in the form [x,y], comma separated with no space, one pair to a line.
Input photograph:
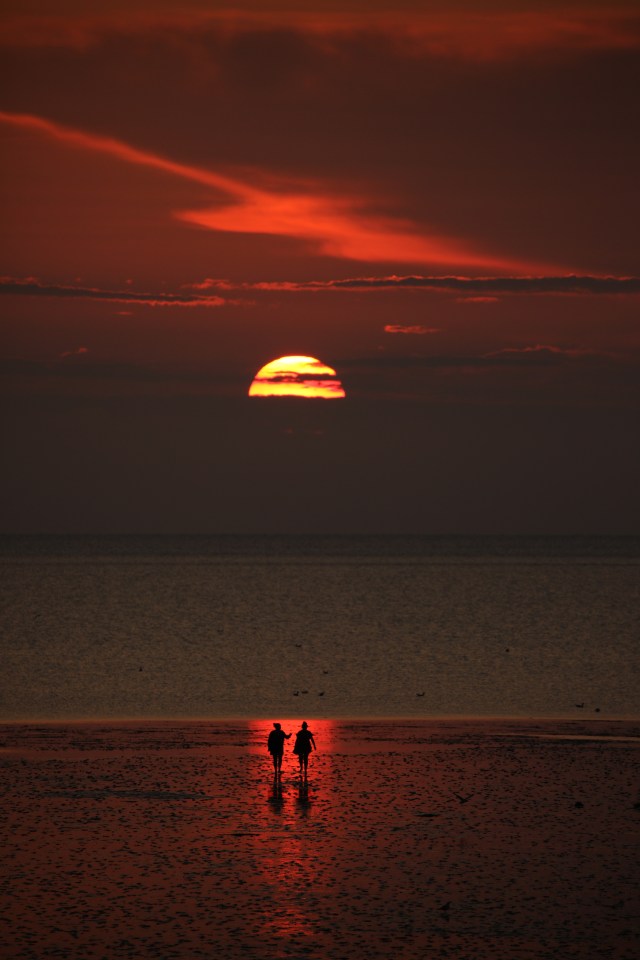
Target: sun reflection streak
[285,862]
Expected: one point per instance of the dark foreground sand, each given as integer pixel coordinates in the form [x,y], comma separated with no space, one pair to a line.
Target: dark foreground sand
[412,839]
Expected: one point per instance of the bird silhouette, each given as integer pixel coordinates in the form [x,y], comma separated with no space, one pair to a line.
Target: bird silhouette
[580,705]
[462,799]
[321,693]
[296,693]
[421,694]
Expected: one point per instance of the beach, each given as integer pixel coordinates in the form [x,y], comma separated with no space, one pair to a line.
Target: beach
[410,838]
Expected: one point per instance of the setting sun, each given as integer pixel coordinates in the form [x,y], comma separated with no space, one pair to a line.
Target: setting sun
[297,377]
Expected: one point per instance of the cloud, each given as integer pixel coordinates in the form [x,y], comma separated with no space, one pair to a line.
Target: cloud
[407,329]
[112,370]
[76,352]
[456,32]
[501,285]
[570,284]
[338,226]
[33,288]
[540,353]
[530,356]
[477,299]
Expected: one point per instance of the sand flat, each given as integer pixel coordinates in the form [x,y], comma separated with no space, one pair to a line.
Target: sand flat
[410,839]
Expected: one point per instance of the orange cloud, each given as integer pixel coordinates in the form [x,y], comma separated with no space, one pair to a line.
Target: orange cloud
[123,151]
[338,226]
[414,329]
[338,230]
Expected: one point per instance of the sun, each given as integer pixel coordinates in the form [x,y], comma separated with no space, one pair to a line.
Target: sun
[297,377]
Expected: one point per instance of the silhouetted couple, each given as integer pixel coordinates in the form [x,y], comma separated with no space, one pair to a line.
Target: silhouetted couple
[275,746]
[303,746]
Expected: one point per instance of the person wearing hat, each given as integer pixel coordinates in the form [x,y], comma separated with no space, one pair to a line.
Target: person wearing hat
[275,746]
[303,746]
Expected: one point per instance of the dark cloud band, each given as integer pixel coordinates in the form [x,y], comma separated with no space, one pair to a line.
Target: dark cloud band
[27,288]
[479,289]
[496,285]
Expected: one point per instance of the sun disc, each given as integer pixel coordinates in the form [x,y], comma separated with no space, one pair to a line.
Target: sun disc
[297,377]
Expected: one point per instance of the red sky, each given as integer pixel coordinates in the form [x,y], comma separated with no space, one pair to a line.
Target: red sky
[189,192]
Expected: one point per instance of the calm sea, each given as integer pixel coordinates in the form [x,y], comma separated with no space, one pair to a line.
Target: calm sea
[319,626]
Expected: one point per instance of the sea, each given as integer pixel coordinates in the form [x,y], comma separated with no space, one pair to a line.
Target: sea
[180,627]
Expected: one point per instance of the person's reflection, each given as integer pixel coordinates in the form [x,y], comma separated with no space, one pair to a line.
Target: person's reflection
[303,801]
[275,799]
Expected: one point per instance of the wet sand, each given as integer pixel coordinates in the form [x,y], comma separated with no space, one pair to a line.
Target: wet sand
[410,839]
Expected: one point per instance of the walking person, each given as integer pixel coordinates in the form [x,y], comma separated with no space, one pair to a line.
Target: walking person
[303,746]
[275,746]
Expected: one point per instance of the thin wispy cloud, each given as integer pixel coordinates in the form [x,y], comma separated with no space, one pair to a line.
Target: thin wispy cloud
[500,285]
[339,226]
[202,293]
[33,288]
[536,355]
[480,289]
[477,299]
[540,352]
[415,329]
[91,370]
[76,352]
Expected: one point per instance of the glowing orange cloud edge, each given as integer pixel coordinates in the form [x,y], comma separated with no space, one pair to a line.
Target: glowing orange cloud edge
[332,223]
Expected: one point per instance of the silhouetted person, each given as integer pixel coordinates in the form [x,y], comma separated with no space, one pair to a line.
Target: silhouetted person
[303,747]
[275,746]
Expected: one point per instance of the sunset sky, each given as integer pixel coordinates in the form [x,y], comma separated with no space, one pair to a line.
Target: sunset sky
[437,200]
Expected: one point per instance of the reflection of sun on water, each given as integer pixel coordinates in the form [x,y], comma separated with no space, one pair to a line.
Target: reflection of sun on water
[297,377]
[323,731]
[285,861]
